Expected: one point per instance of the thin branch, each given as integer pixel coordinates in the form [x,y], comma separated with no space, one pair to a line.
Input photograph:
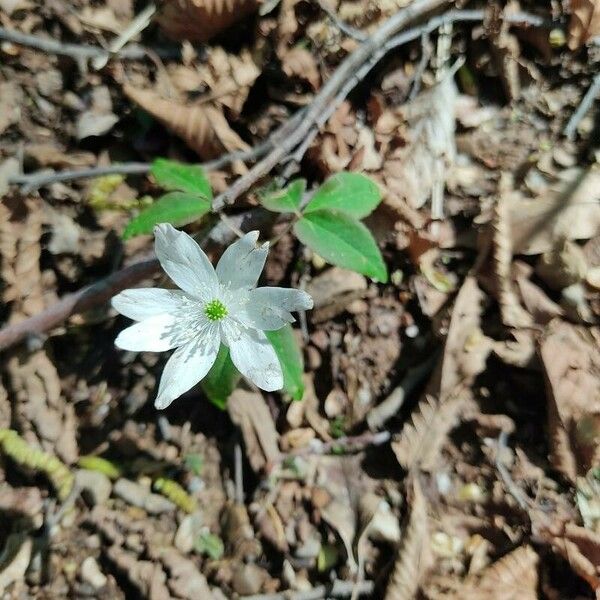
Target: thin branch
[33,181]
[345,79]
[337,589]
[583,108]
[350,31]
[516,492]
[326,94]
[76,51]
[349,444]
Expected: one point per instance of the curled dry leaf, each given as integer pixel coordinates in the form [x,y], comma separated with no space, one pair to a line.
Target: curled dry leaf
[37,390]
[416,171]
[20,250]
[466,348]
[570,210]
[513,576]
[229,77]
[414,554]
[249,411]
[203,128]
[584,23]
[420,442]
[571,362]
[513,314]
[299,63]
[200,20]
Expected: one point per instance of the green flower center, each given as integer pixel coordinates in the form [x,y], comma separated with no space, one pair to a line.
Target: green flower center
[215,310]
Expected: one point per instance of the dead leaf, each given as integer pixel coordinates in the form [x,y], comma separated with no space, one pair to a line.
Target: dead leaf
[570,210]
[203,128]
[185,580]
[249,411]
[8,168]
[414,555]
[229,78]
[466,348]
[420,442]
[99,119]
[11,100]
[513,577]
[200,20]
[299,63]
[571,362]
[584,23]
[416,171]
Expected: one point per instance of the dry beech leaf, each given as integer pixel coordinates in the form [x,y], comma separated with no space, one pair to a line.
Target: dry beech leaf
[249,411]
[513,577]
[420,442]
[229,77]
[413,554]
[584,23]
[200,20]
[570,210]
[571,362]
[416,171]
[203,128]
[37,390]
[513,314]
[466,348]
[301,64]
[20,250]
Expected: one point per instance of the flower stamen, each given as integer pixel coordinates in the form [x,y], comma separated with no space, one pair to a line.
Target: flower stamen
[215,310]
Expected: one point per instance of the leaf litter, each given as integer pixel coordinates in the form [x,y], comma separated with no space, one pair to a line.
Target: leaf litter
[481,481]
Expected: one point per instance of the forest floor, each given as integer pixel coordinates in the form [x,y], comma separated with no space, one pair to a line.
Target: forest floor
[448,441]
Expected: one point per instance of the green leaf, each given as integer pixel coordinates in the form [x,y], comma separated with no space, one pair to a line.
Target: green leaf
[177,208]
[221,379]
[290,356]
[352,193]
[342,241]
[286,200]
[179,177]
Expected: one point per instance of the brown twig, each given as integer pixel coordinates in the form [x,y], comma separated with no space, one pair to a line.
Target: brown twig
[344,445]
[76,51]
[326,94]
[583,108]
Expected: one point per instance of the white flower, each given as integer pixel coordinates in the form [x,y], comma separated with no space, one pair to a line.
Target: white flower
[213,307]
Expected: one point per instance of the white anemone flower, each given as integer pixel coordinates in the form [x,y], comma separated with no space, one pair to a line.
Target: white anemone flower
[213,307]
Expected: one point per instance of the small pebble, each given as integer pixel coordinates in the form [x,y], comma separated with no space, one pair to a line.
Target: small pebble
[96,486]
[91,573]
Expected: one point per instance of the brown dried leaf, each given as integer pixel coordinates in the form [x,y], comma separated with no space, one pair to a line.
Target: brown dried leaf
[202,128]
[466,348]
[36,386]
[513,314]
[20,250]
[301,64]
[229,77]
[570,210]
[185,580]
[200,20]
[420,442]
[250,412]
[584,23]
[414,554]
[513,577]
[571,362]
[416,171]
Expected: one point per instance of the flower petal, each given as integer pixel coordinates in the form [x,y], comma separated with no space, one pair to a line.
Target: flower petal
[268,308]
[185,262]
[154,334]
[253,356]
[187,366]
[142,303]
[243,262]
